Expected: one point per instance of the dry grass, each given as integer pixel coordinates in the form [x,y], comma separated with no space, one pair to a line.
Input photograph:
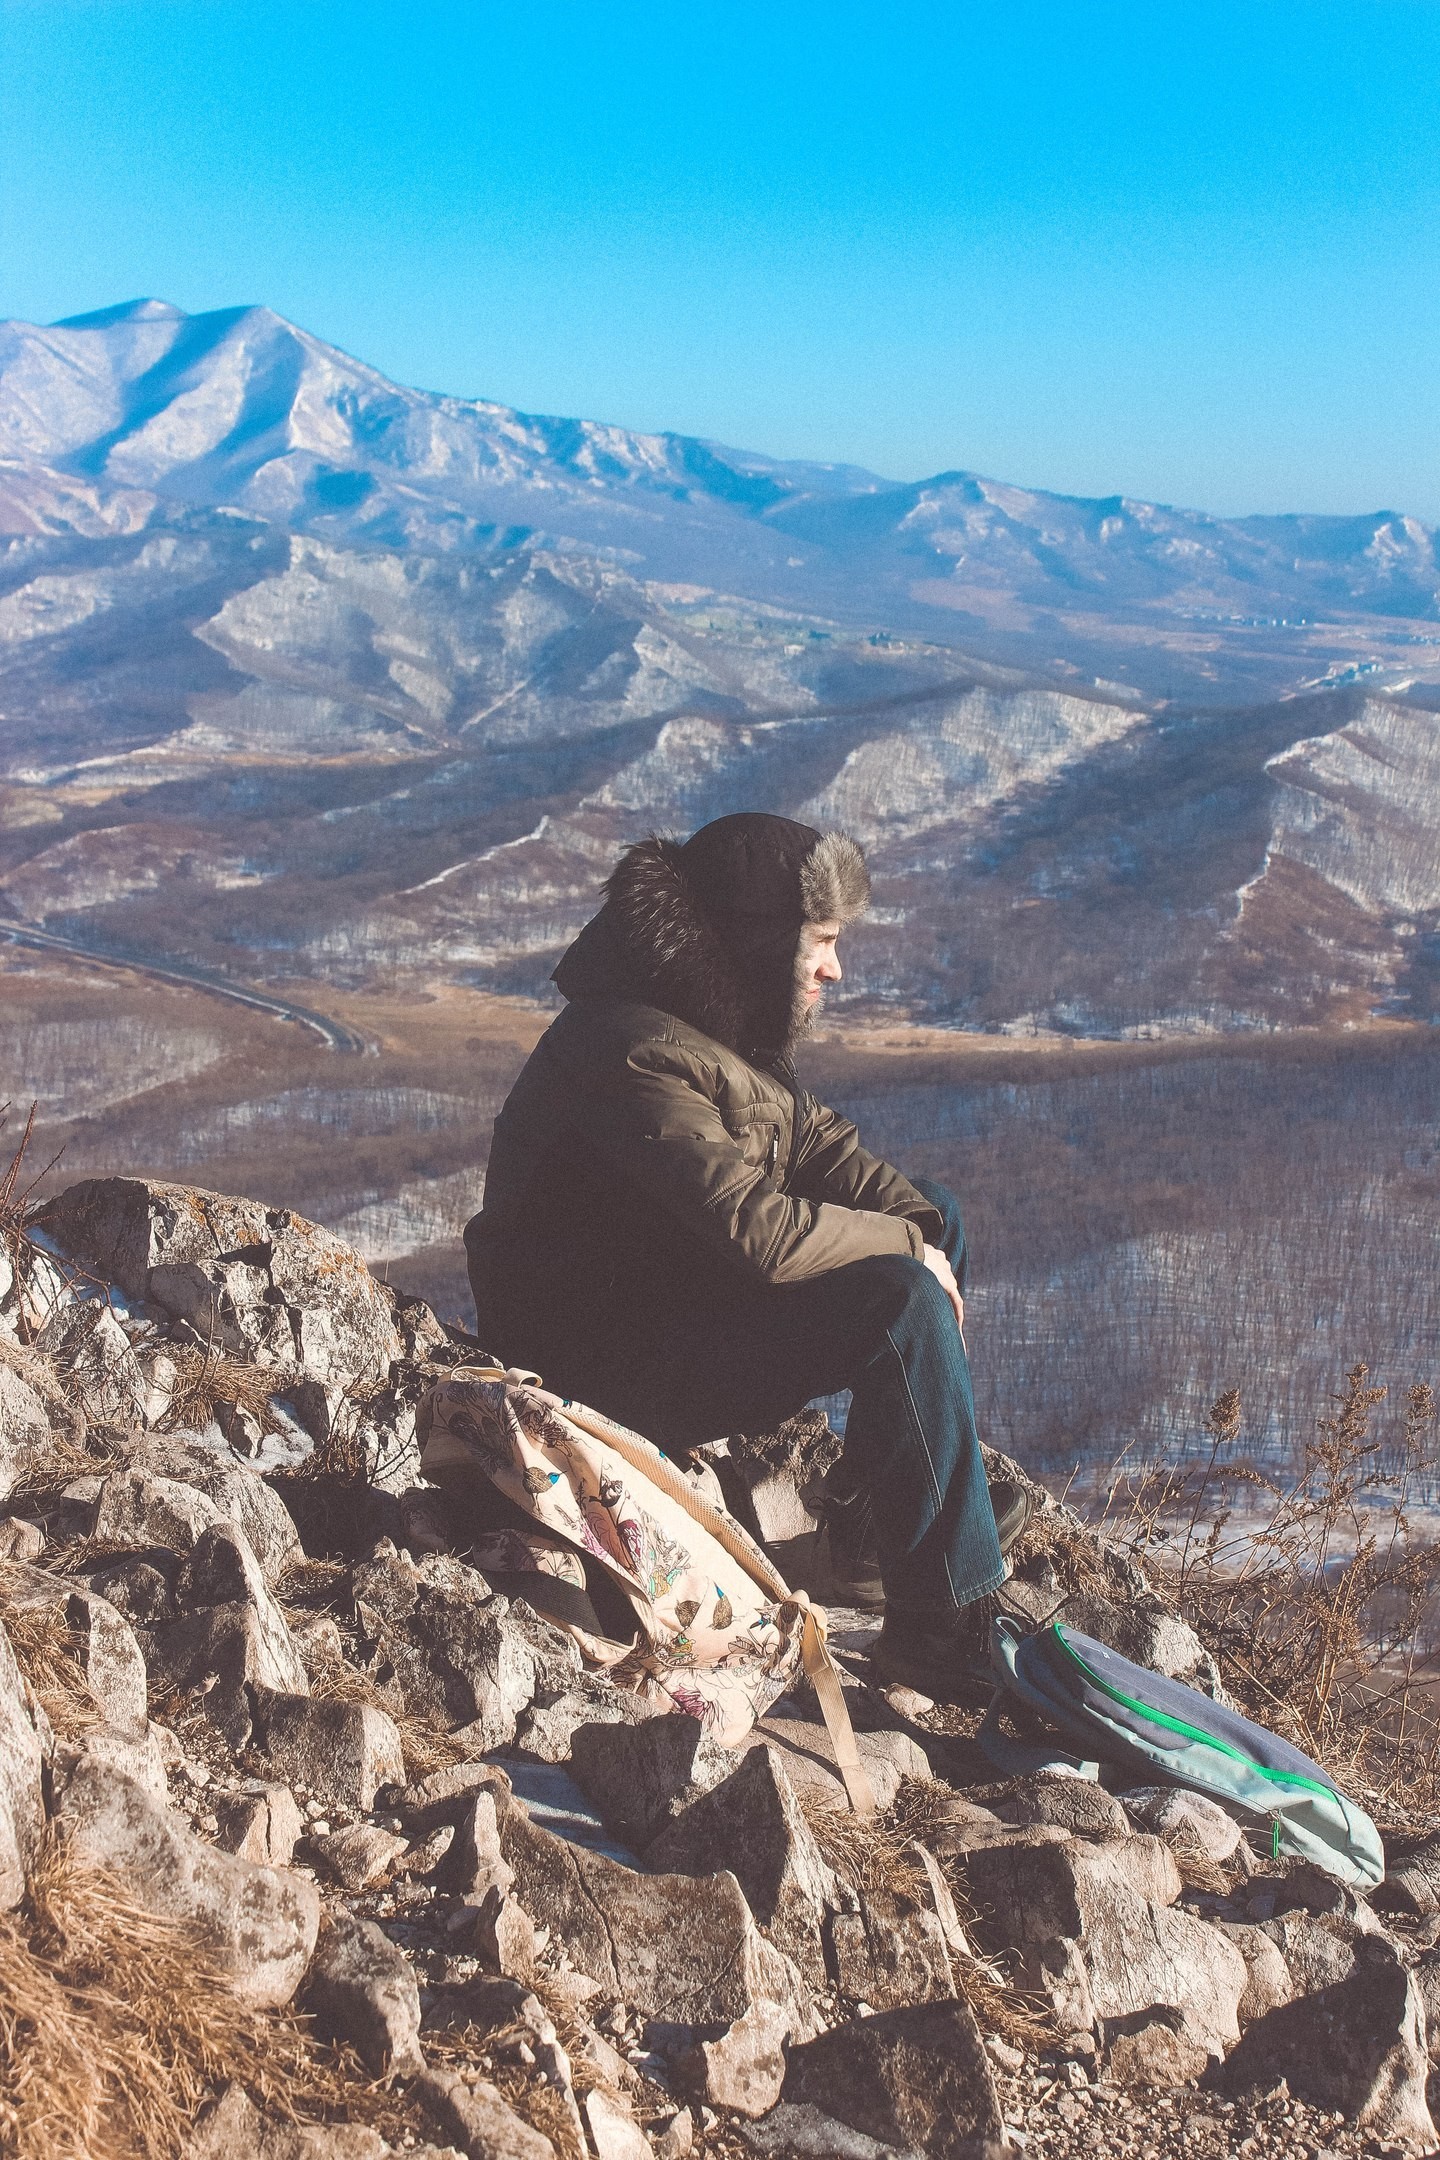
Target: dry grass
[206,1377]
[114,2031]
[49,1658]
[878,1855]
[425,1745]
[1313,1584]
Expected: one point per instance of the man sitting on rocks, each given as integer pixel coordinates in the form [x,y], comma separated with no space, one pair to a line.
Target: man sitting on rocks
[677,1234]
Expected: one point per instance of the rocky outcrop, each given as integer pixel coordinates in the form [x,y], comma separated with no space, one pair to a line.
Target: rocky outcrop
[364,1784]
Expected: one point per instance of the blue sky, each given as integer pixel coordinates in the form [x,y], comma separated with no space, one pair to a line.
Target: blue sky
[1187,251]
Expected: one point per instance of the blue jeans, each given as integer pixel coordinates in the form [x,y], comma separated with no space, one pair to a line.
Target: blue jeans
[727,1356]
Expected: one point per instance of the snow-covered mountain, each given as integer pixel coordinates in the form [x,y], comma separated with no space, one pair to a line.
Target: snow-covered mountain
[238,408]
[305,673]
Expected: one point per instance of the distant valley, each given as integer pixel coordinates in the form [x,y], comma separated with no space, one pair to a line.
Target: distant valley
[347,694]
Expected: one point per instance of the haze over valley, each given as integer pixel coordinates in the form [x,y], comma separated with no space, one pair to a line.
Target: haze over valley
[347,694]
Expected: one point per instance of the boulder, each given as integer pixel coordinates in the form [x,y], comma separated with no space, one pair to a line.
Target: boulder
[614,2132]
[239,1495]
[25,1436]
[359,1856]
[1314,1955]
[360,1988]
[136,1510]
[124,1750]
[100,1639]
[234,1639]
[91,1350]
[889,1757]
[24,1744]
[546,1729]
[20,1539]
[260,1283]
[917,2079]
[257,1923]
[478,2118]
[234,2129]
[642,1776]
[139,1587]
[1074,1804]
[265,1825]
[753,1825]
[1188,1822]
[891,1951]
[1412,1878]
[680,1947]
[474,1863]
[1358,2047]
[1268,1983]
[1427,1979]
[1091,1929]
[341,1752]
[442,1645]
[742,2068]
[1153,2049]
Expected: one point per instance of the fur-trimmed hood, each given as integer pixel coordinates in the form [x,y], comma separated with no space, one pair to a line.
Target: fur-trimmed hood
[685,928]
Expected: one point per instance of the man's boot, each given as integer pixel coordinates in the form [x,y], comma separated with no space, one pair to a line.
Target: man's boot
[849,1519]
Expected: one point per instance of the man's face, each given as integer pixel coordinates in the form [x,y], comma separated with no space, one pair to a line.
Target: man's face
[816,963]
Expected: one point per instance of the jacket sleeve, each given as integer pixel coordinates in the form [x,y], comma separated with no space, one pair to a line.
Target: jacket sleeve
[831,1165]
[657,1128]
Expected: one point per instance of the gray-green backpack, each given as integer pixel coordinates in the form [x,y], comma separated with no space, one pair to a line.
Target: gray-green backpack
[1123,1713]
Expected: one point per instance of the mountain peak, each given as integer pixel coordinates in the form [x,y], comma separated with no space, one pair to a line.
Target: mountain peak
[126,311]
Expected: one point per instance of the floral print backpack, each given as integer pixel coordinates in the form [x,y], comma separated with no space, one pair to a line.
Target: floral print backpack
[719,1632]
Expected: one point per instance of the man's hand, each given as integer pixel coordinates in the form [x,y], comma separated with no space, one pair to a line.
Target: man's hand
[944,1274]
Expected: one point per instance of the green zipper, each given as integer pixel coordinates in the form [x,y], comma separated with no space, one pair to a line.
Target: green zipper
[1191,1732]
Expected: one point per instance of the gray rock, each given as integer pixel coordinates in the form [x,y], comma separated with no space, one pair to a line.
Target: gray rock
[444,1795]
[1070,1803]
[258,1923]
[92,1352]
[137,1587]
[100,1639]
[1315,1956]
[1427,1979]
[753,1825]
[890,1757]
[478,2118]
[264,1826]
[1188,1822]
[680,1947]
[360,1988]
[546,1729]
[1412,1878]
[20,1539]
[125,1751]
[361,1855]
[791,2132]
[136,1510]
[235,1639]
[239,1495]
[25,1436]
[890,1952]
[641,1777]
[24,1744]
[341,1752]
[474,1862]
[917,2079]
[614,2132]
[437,1639]
[1358,2047]
[1269,1983]
[1153,2050]
[742,2068]
[1090,1928]
[262,1284]
[234,2129]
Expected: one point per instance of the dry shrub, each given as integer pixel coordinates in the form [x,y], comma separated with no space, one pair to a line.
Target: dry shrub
[66,1456]
[1312,1583]
[425,1744]
[206,1377]
[114,2030]
[49,1658]
[877,1855]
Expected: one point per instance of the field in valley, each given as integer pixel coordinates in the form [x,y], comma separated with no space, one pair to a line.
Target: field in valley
[1149,1222]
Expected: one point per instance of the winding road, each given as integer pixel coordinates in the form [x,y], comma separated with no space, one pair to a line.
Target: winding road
[333,1033]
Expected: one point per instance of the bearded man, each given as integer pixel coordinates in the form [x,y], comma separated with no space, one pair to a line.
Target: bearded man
[677,1234]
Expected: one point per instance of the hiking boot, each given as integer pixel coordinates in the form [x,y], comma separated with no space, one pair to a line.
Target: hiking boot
[849,1519]
[942,1654]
